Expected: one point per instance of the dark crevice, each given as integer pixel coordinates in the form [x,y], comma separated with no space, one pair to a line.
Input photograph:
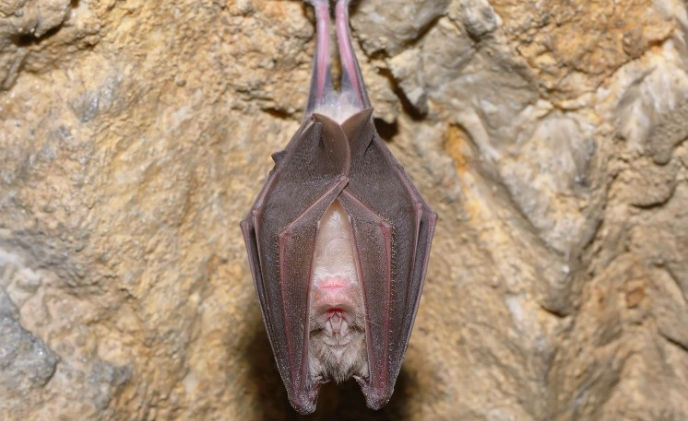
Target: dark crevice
[278,113]
[408,107]
[28,39]
[23,40]
[674,342]
[558,313]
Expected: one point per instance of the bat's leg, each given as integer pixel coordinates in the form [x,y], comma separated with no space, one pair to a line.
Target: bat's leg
[321,80]
[352,80]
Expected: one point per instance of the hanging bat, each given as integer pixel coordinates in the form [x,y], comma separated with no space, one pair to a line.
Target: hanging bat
[338,240]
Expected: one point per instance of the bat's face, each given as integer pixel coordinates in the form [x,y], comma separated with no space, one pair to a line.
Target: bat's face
[337,331]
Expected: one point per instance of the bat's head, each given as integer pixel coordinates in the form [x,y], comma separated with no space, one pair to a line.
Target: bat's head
[337,349]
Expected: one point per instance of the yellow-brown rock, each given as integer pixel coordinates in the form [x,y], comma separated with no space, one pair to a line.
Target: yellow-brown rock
[549,136]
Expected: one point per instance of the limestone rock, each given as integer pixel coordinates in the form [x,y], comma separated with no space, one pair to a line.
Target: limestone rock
[550,138]
[26,363]
[387,29]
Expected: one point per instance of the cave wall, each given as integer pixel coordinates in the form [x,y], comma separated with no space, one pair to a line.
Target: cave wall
[549,136]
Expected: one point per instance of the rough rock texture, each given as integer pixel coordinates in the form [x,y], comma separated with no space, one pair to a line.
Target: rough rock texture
[549,136]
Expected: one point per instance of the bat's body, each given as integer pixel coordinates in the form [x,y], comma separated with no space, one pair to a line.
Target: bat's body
[338,240]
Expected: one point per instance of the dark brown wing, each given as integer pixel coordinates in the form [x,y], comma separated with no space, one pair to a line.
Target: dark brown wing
[280,232]
[393,227]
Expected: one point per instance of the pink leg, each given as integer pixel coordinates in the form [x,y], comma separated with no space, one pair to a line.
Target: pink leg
[352,80]
[321,80]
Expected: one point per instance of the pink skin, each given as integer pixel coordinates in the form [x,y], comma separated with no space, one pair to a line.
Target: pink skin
[332,297]
[335,290]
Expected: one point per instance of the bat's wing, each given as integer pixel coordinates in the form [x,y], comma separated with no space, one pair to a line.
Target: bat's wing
[393,228]
[280,232]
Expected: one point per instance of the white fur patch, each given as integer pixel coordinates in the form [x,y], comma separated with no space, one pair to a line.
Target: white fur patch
[337,348]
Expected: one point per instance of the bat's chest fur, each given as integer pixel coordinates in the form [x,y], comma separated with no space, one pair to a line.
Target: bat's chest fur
[337,348]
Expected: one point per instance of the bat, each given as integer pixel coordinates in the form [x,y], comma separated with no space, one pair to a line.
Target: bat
[338,239]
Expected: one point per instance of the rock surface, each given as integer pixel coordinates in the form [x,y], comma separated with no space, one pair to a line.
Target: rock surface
[550,137]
